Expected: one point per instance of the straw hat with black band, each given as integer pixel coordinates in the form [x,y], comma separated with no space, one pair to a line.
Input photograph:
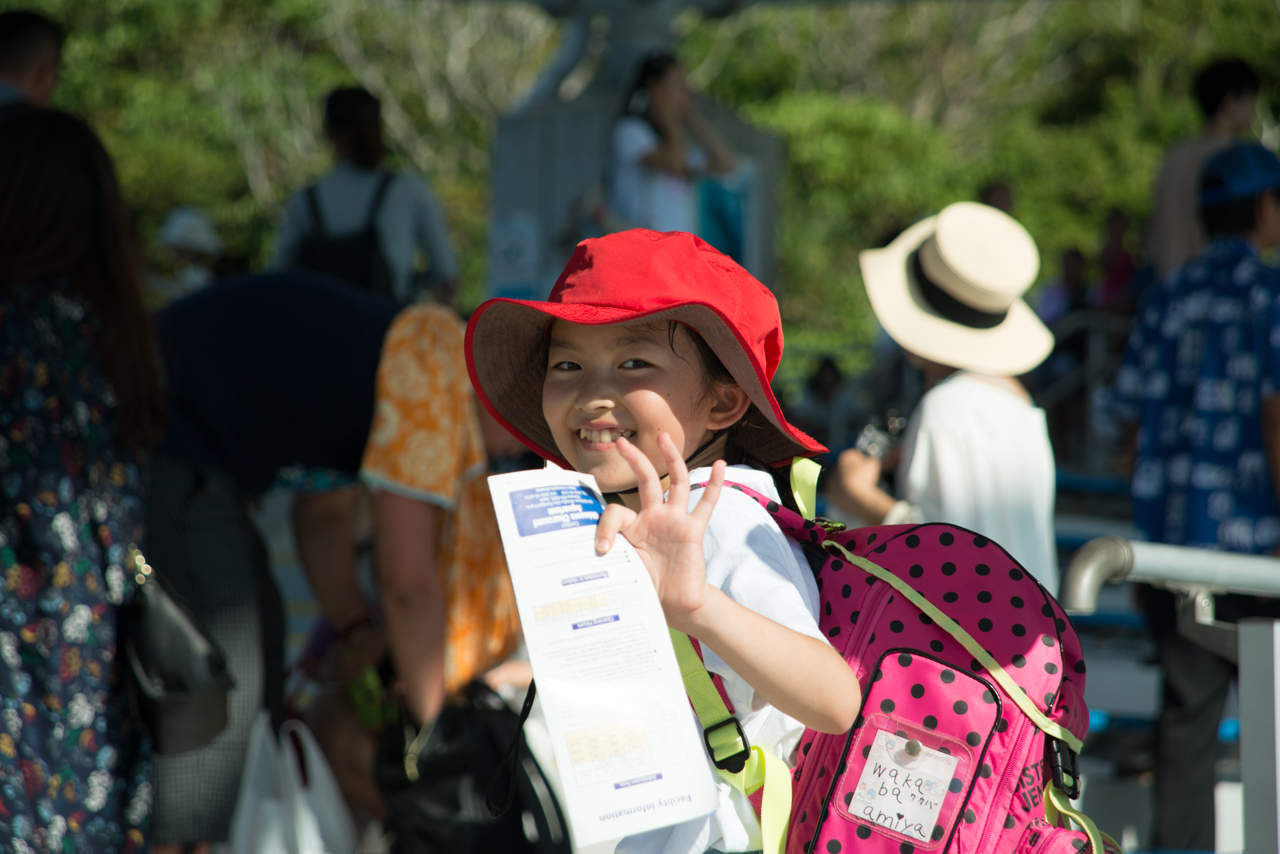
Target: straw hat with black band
[949,289]
[637,276]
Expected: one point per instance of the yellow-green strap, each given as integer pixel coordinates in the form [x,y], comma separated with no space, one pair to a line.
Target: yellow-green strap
[1057,799]
[804,485]
[762,767]
[767,770]
[975,649]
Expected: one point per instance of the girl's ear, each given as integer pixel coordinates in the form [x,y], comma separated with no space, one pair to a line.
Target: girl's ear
[728,404]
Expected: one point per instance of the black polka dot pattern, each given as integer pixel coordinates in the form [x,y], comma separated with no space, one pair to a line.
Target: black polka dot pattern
[991,597]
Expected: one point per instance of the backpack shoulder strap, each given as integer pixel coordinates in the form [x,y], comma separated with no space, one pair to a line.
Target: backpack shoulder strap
[313,204]
[749,769]
[378,195]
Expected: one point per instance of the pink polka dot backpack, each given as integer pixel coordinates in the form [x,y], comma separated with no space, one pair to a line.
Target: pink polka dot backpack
[972,704]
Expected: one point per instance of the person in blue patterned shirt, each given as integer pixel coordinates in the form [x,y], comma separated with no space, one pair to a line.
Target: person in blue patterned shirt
[1201,379]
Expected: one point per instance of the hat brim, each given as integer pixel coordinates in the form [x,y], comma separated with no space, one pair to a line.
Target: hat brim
[1019,343]
[506,353]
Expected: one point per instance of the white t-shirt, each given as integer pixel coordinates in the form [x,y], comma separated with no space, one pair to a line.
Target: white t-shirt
[756,565]
[409,219]
[978,455]
[650,198]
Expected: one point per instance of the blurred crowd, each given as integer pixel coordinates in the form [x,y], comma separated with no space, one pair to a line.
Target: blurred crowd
[145,411]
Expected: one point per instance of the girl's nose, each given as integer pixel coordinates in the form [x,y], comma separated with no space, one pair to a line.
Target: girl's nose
[596,391]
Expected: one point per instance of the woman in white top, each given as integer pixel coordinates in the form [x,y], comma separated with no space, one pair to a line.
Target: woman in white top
[407,217]
[976,452]
[653,158]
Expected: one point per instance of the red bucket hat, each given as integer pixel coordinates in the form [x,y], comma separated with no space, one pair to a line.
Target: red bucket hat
[637,276]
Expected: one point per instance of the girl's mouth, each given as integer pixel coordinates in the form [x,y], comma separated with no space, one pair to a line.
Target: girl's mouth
[602,440]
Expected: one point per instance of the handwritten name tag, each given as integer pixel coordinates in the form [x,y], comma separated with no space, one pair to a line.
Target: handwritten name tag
[903,785]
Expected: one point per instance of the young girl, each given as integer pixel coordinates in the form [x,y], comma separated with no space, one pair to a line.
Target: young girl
[649,369]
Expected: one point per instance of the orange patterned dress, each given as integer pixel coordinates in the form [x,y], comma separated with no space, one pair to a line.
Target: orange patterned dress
[425,444]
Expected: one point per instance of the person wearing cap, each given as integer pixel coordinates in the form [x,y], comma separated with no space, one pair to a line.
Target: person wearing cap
[360,192]
[976,451]
[649,368]
[1201,380]
[193,242]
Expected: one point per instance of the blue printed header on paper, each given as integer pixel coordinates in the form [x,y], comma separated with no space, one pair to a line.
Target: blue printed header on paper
[554,508]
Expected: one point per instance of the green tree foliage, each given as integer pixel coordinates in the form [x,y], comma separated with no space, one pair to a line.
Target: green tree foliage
[890,111]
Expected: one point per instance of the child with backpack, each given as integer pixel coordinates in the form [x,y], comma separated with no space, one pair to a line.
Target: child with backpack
[649,368]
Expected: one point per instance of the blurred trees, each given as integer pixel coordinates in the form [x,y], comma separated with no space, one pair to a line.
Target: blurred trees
[890,110]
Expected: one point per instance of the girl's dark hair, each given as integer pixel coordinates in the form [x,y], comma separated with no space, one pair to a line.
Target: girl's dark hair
[715,375]
[653,67]
[62,217]
[353,120]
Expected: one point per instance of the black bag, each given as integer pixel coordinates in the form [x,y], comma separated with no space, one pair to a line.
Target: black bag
[357,258]
[178,679]
[435,783]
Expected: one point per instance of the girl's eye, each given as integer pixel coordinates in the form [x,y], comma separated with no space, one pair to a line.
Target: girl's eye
[632,364]
[564,366]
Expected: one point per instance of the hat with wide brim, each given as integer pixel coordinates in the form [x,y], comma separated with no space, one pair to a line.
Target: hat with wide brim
[632,277]
[949,289]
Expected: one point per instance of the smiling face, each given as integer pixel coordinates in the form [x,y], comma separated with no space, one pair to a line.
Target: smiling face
[603,382]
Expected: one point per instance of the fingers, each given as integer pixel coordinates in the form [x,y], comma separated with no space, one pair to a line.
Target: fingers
[711,495]
[677,471]
[647,480]
[614,518]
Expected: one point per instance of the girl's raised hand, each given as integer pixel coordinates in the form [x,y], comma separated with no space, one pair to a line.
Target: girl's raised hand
[667,536]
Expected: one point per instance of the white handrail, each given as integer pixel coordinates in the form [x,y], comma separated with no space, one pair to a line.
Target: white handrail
[1110,560]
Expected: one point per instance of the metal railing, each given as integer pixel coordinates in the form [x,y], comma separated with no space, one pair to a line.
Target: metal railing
[1197,575]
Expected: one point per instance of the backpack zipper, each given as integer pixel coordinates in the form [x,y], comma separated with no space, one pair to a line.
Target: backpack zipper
[868,614]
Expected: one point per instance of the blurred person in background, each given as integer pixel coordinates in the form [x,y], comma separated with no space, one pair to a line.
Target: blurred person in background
[998,195]
[1069,292]
[652,158]
[80,400]
[382,231]
[30,56]
[1227,93]
[260,395]
[1201,380]
[1115,289]
[192,241]
[265,373]
[976,450]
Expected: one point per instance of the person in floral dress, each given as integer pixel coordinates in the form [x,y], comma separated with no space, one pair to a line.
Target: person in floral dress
[79,400]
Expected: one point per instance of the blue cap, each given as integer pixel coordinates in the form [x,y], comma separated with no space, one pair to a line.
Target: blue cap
[1238,172]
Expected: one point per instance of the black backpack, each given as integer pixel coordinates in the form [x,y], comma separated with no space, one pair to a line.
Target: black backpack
[436,783]
[357,258]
